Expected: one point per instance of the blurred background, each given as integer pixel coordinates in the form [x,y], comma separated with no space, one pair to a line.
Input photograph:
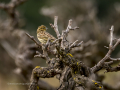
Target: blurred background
[93,17]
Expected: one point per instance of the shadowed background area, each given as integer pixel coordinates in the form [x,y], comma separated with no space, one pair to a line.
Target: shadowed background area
[93,17]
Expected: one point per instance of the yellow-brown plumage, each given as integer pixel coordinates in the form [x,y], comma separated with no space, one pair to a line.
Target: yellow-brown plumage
[43,36]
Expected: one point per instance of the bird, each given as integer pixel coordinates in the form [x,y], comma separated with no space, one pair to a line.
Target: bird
[43,36]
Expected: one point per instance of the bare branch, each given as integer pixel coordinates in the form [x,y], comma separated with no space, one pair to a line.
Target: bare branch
[113,69]
[73,43]
[69,26]
[39,55]
[114,59]
[99,66]
[80,43]
[31,37]
[55,27]
[109,63]
[74,28]
[106,47]
[10,50]
[76,45]
[111,36]
[10,8]
[54,42]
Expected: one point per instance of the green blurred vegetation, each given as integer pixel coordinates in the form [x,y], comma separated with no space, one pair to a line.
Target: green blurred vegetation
[30,12]
[103,7]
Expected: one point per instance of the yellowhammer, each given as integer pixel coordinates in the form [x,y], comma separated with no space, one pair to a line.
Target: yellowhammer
[43,36]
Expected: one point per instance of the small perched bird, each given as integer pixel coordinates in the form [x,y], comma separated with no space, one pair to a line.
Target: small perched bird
[43,36]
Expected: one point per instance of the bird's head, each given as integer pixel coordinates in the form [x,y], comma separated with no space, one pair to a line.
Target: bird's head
[41,28]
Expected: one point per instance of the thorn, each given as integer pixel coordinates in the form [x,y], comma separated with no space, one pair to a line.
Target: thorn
[106,47]
[112,28]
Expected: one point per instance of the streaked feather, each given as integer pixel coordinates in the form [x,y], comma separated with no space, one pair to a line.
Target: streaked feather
[43,36]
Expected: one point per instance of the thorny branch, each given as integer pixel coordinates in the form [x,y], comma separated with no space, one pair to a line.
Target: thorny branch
[101,63]
[111,36]
[76,70]
[55,27]
[31,37]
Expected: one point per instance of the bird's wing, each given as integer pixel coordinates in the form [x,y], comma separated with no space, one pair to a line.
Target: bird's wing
[42,38]
[49,35]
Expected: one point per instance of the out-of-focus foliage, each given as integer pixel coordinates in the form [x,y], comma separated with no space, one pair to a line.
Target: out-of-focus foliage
[29,13]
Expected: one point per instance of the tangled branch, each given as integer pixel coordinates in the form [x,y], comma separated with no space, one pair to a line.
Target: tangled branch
[68,69]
